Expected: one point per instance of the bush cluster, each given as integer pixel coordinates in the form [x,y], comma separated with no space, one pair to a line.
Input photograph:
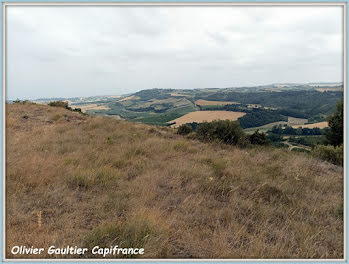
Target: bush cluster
[259,138]
[17,101]
[334,136]
[64,105]
[329,153]
[184,129]
[225,131]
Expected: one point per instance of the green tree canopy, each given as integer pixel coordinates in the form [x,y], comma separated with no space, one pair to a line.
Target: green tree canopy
[334,135]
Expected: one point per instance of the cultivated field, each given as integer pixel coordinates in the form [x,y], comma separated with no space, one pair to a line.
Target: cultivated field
[296,121]
[84,108]
[202,116]
[292,121]
[329,89]
[178,94]
[132,97]
[206,102]
[319,125]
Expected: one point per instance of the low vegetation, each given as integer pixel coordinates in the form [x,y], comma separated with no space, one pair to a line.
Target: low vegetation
[259,138]
[64,105]
[184,129]
[334,151]
[223,131]
[98,180]
[329,153]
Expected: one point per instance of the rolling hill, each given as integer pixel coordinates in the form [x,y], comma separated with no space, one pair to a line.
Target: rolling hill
[262,105]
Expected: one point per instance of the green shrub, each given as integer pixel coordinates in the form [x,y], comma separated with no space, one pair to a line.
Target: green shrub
[258,138]
[329,153]
[77,110]
[65,105]
[17,101]
[274,137]
[59,104]
[225,131]
[335,134]
[308,140]
[184,129]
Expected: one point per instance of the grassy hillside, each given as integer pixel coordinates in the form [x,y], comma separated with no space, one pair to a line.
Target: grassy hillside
[101,181]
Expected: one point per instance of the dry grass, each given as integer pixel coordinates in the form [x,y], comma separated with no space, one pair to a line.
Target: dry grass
[206,102]
[84,108]
[105,181]
[202,116]
[331,89]
[178,94]
[128,98]
[296,121]
[319,125]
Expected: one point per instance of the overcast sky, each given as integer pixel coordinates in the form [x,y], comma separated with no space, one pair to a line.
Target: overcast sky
[83,51]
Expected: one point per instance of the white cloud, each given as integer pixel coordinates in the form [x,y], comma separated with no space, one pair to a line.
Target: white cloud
[81,51]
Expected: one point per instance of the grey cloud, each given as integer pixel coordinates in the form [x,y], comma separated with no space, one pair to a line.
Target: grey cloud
[82,51]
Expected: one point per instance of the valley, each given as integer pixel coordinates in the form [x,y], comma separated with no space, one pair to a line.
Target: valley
[256,108]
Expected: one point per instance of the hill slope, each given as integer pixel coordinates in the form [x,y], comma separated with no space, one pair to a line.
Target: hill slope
[101,181]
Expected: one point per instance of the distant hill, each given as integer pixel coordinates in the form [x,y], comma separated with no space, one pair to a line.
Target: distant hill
[100,181]
[263,105]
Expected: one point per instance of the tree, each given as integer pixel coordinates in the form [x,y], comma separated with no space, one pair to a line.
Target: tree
[299,131]
[184,129]
[334,135]
[289,130]
[225,131]
[259,138]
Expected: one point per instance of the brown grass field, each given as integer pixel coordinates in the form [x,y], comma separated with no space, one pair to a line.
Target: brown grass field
[129,98]
[201,116]
[296,121]
[100,181]
[84,108]
[329,89]
[206,102]
[319,125]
